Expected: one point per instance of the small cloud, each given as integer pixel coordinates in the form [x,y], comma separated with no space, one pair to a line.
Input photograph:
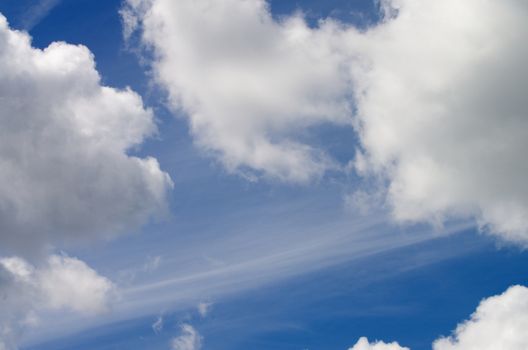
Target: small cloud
[204,308]
[152,263]
[157,326]
[498,323]
[189,339]
[58,284]
[37,12]
[364,344]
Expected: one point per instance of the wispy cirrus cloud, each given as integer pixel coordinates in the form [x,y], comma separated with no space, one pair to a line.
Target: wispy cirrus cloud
[37,12]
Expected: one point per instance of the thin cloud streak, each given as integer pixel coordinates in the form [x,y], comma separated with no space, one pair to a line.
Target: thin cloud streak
[314,253]
[37,12]
[197,282]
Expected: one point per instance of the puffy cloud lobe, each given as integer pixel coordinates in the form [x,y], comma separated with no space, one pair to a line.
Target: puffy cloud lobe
[500,322]
[61,284]
[247,83]
[64,169]
[81,288]
[189,339]
[437,90]
[364,344]
[442,112]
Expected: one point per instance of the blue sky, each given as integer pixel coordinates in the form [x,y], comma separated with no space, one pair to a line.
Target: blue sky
[417,293]
[284,261]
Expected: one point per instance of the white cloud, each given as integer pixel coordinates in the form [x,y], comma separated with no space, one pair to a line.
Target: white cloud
[500,322]
[189,339]
[204,308]
[65,172]
[442,111]
[249,85]
[157,326]
[70,283]
[61,284]
[436,88]
[363,344]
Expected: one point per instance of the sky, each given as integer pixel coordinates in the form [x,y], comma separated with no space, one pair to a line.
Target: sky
[251,174]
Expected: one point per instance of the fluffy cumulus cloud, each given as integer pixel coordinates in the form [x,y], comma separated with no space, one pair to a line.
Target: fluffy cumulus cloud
[61,284]
[65,168]
[435,91]
[248,84]
[189,339]
[500,322]
[442,112]
[66,174]
[364,344]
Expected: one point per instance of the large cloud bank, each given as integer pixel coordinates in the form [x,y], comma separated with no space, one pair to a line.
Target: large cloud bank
[247,83]
[64,169]
[442,111]
[500,322]
[65,175]
[436,92]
